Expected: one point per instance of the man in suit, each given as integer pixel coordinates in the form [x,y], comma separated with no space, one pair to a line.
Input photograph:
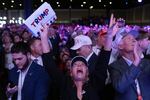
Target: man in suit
[130,74]
[83,47]
[44,58]
[76,85]
[28,80]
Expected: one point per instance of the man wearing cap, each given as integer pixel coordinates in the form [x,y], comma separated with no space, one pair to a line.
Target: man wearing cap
[77,85]
[83,47]
[130,74]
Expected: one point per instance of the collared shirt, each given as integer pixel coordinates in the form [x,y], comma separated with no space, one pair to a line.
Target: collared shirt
[96,49]
[87,59]
[22,75]
[39,60]
[129,62]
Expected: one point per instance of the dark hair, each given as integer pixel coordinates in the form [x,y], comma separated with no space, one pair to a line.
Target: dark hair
[20,47]
[32,40]
[79,58]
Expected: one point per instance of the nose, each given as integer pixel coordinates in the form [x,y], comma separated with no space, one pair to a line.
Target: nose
[16,62]
[134,40]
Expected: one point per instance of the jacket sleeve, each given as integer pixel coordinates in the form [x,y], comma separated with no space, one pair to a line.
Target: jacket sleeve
[42,86]
[52,69]
[123,78]
[100,73]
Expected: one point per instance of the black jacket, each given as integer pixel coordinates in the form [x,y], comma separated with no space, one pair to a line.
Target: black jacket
[91,89]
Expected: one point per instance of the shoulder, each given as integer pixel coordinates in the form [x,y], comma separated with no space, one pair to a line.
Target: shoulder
[120,62]
[13,70]
[37,68]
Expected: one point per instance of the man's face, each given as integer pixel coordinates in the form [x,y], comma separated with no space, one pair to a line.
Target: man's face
[21,60]
[144,43]
[82,51]
[128,43]
[17,39]
[37,47]
[79,71]
[26,35]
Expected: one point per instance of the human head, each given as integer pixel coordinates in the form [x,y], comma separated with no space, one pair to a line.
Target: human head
[21,55]
[26,35]
[79,69]
[82,45]
[143,40]
[102,37]
[51,31]
[35,46]
[127,43]
[13,28]
[17,38]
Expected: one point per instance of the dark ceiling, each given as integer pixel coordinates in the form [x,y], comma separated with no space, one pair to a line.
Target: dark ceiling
[74,4]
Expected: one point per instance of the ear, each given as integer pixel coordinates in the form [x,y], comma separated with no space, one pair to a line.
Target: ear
[32,47]
[70,71]
[29,55]
[120,46]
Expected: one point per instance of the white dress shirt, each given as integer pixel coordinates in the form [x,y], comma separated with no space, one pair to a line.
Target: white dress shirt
[87,59]
[22,75]
[40,61]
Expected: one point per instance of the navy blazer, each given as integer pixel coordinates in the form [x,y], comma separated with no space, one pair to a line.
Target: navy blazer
[36,83]
[92,62]
[123,79]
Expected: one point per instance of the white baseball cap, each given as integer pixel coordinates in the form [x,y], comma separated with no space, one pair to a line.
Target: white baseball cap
[80,41]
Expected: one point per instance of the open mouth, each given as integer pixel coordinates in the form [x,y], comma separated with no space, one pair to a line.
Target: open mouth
[79,71]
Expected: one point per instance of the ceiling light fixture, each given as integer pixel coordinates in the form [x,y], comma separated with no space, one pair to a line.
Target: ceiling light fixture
[91,7]
[84,2]
[12,1]
[3,3]
[140,1]
[57,2]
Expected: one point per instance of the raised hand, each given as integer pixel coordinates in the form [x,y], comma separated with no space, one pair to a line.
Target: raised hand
[137,54]
[112,30]
[112,20]
[113,26]
[44,38]
[44,30]
[11,90]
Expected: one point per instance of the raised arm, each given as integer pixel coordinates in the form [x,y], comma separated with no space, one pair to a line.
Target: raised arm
[44,39]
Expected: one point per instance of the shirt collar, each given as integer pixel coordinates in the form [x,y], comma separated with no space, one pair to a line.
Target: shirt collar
[87,59]
[26,70]
[129,62]
[32,57]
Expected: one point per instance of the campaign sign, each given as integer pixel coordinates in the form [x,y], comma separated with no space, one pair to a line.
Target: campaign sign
[43,15]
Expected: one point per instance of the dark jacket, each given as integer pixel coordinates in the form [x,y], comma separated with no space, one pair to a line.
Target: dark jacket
[36,83]
[91,88]
[123,79]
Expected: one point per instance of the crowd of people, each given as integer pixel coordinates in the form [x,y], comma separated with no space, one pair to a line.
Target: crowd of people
[75,62]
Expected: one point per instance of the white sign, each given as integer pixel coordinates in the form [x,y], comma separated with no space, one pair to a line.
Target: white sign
[43,15]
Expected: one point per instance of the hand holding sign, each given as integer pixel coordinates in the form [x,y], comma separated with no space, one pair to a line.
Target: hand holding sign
[43,15]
